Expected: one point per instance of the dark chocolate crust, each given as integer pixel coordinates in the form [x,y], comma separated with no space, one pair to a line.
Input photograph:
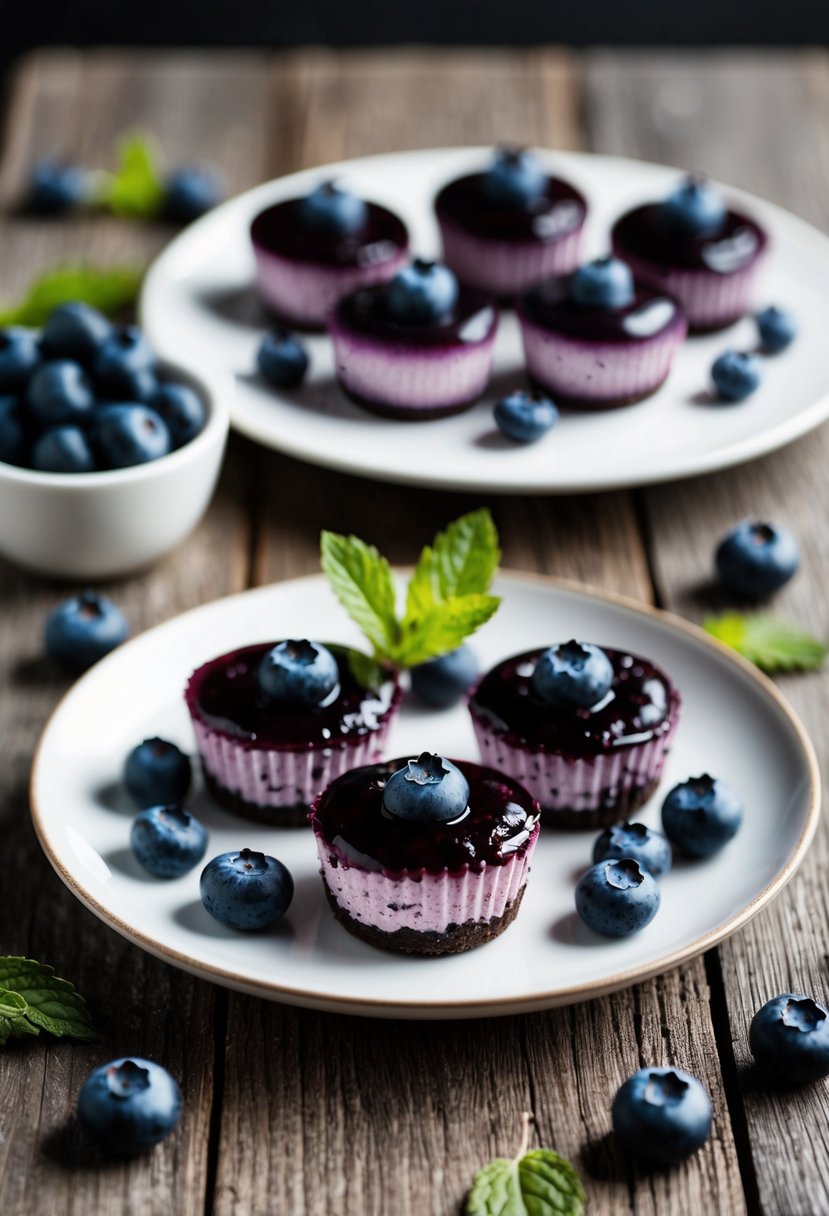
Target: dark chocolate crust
[295,816]
[406,413]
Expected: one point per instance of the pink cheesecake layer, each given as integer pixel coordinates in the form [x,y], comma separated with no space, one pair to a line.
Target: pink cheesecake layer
[303,293]
[506,268]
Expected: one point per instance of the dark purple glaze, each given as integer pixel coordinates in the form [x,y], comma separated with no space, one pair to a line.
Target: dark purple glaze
[471,321]
[643,233]
[639,707]
[224,693]
[498,826]
[560,210]
[649,313]
[280,230]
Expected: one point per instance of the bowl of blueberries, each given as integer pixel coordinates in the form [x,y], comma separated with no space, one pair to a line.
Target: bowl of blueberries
[108,456]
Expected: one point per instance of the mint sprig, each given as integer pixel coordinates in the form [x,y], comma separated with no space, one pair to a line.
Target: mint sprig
[110,289]
[135,189]
[447,597]
[533,1183]
[33,998]
[771,644]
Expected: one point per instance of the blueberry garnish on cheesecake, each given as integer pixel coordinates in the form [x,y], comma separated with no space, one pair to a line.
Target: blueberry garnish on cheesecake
[428,790]
[574,674]
[603,283]
[694,209]
[331,209]
[515,179]
[421,294]
[299,673]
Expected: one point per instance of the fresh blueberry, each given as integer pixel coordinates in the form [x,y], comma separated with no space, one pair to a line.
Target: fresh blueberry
[777,329]
[649,848]
[246,890]
[282,359]
[617,898]
[525,416]
[12,431]
[736,375]
[19,356]
[56,187]
[298,673]
[789,1039]
[516,178]
[421,293]
[441,682]
[661,1115]
[603,283]
[63,449]
[60,392]
[701,815]
[125,366]
[130,434]
[695,209]
[330,209]
[182,409]
[157,772]
[129,1106]
[573,674]
[755,559]
[189,192]
[83,629]
[428,790]
[75,331]
[167,840]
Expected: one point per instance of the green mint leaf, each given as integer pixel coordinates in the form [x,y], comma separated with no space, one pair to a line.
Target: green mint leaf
[771,644]
[366,670]
[135,188]
[460,561]
[362,581]
[539,1183]
[109,289]
[444,628]
[13,1016]
[49,1002]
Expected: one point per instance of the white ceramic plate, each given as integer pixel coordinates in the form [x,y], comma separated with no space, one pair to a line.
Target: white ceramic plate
[734,724]
[198,307]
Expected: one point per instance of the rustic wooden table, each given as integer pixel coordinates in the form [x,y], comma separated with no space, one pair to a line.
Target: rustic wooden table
[304,1113]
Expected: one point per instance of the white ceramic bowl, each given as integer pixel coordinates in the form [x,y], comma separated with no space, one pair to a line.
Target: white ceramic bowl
[96,525]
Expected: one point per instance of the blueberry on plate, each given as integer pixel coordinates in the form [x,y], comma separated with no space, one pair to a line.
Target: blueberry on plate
[60,393]
[282,359]
[19,356]
[63,449]
[12,431]
[603,283]
[75,331]
[428,790]
[130,434]
[332,210]
[650,849]
[701,815]
[189,192]
[129,1106]
[298,673]
[617,898]
[736,375]
[777,329]
[182,409]
[525,416]
[157,772]
[125,366]
[661,1115]
[441,682]
[694,209]
[515,179]
[755,559]
[421,294]
[575,675]
[83,629]
[789,1039]
[246,890]
[56,187]
[167,840]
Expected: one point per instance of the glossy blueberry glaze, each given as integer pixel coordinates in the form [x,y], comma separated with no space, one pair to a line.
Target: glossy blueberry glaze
[280,230]
[470,321]
[645,233]
[559,210]
[649,313]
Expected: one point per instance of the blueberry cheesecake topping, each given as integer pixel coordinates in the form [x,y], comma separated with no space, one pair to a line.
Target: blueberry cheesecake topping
[300,674]
[694,209]
[755,559]
[428,790]
[333,210]
[421,294]
[575,675]
[330,226]
[514,199]
[604,283]
[515,179]
[600,303]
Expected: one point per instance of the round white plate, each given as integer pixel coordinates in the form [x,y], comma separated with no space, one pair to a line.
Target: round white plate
[734,724]
[198,307]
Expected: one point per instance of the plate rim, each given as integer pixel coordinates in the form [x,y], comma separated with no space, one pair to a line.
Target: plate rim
[496,1006]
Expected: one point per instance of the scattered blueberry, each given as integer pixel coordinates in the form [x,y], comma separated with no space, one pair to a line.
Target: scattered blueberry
[649,848]
[525,416]
[573,673]
[329,208]
[701,815]
[157,772]
[441,682]
[789,1039]
[603,283]
[56,187]
[246,890]
[282,359]
[777,329]
[661,1115]
[167,840]
[428,790]
[189,192]
[19,356]
[12,431]
[129,1106]
[74,331]
[83,629]
[182,409]
[736,375]
[130,434]
[63,449]
[755,559]
[124,367]
[421,293]
[60,392]
[616,898]
[299,673]
[516,178]
[695,209]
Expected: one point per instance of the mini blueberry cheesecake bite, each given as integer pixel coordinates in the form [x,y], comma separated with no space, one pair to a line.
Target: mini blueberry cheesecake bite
[312,251]
[596,338]
[510,225]
[695,248]
[585,729]
[417,347]
[276,722]
[427,855]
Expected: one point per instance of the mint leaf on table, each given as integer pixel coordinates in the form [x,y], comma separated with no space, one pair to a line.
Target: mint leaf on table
[771,644]
[135,188]
[13,1016]
[33,998]
[536,1183]
[362,581]
[110,289]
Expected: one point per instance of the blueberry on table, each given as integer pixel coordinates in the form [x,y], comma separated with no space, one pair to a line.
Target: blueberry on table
[428,790]
[421,294]
[60,392]
[440,683]
[246,890]
[617,898]
[157,772]
[736,375]
[777,329]
[167,840]
[515,179]
[129,1106]
[182,409]
[12,431]
[83,629]
[125,366]
[661,1115]
[63,449]
[603,283]
[130,434]
[189,192]
[75,331]
[576,675]
[56,187]
[331,210]
[298,673]
[694,209]
[282,359]
[789,1039]
[650,849]
[701,815]
[19,356]
[755,559]
[525,416]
